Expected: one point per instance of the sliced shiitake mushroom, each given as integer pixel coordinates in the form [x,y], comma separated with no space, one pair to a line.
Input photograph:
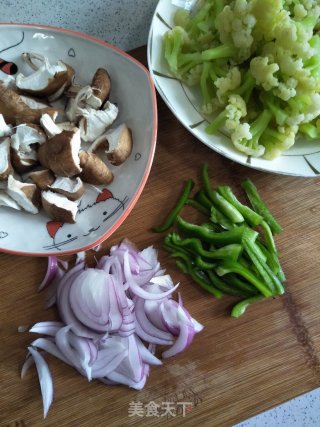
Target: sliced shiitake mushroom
[59,207]
[118,143]
[95,122]
[23,162]
[5,130]
[6,200]
[72,188]
[61,153]
[26,136]
[47,80]
[15,111]
[101,86]
[94,170]
[42,178]
[49,126]
[5,161]
[26,195]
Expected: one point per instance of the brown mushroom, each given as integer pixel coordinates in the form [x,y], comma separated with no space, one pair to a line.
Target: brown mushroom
[23,162]
[47,80]
[94,170]
[101,86]
[119,144]
[26,195]
[61,153]
[72,188]
[7,201]
[42,178]
[58,207]
[15,111]
[5,161]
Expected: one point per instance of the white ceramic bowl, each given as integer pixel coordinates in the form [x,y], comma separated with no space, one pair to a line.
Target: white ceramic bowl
[100,214]
[303,159]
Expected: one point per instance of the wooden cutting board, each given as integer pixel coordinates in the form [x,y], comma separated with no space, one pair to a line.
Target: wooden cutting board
[235,368]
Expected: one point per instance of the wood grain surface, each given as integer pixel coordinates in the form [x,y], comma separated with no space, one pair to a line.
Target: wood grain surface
[235,368]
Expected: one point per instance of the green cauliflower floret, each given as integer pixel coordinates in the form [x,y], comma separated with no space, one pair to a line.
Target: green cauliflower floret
[235,25]
[227,84]
[303,109]
[278,140]
[263,72]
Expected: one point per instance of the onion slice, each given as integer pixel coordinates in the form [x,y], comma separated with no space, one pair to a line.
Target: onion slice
[50,273]
[45,380]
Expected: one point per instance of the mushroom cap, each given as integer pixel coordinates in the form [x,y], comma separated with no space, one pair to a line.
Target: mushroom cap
[42,178]
[58,207]
[16,111]
[94,170]
[61,153]
[101,86]
[119,144]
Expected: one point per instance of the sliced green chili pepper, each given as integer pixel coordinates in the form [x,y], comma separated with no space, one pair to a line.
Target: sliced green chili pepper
[264,270]
[220,202]
[197,276]
[224,238]
[259,206]
[223,286]
[241,307]
[197,205]
[176,210]
[249,215]
[235,267]
[231,251]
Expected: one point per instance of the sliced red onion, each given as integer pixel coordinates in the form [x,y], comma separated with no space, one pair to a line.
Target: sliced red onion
[50,273]
[132,365]
[50,347]
[183,341]
[122,379]
[66,312]
[45,380]
[89,299]
[107,311]
[46,328]
[81,346]
[197,326]
[163,280]
[112,353]
[147,355]
[64,264]
[63,344]
[27,364]
[145,323]
[150,338]
[136,289]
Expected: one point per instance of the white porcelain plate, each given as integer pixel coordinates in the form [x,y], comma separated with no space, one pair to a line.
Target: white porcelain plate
[303,159]
[101,211]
